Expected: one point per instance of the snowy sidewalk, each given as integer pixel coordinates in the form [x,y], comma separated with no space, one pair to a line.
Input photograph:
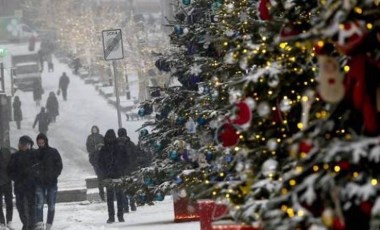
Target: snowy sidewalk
[84,108]
[93,216]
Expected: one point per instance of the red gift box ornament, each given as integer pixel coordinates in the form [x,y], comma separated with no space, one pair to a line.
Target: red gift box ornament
[209,211]
[184,209]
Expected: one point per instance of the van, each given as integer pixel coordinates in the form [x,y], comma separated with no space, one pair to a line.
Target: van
[25,73]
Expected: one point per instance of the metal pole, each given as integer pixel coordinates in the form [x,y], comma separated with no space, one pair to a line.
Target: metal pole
[117,94]
[2,89]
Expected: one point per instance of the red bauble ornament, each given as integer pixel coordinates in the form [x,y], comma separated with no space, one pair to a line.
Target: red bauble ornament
[344,165]
[264,10]
[366,207]
[242,115]
[305,146]
[338,224]
[227,135]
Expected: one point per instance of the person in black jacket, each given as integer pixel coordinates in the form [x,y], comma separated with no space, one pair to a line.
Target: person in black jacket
[37,91]
[21,169]
[5,189]
[111,167]
[94,143]
[128,155]
[17,113]
[52,106]
[43,121]
[50,165]
[64,81]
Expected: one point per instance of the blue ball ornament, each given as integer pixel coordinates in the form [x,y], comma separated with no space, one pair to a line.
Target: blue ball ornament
[173,155]
[148,181]
[159,196]
[178,30]
[157,146]
[186,2]
[141,112]
[143,133]
[209,156]
[228,158]
[178,180]
[201,121]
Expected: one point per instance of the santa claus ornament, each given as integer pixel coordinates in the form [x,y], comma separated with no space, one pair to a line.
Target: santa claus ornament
[227,135]
[330,79]
[242,113]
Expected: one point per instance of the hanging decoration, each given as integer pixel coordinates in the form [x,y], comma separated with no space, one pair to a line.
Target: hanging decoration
[227,135]
[242,113]
[330,79]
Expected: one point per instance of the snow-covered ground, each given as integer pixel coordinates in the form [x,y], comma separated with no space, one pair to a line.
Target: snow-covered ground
[84,108]
[93,216]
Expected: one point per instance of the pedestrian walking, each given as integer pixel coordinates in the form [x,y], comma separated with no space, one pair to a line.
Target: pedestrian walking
[20,169]
[43,121]
[64,82]
[17,113]
[94,142]
[128,156]
[50,162]
[41,58]
[111,167]
[5,190]
[52,106]
[37,91]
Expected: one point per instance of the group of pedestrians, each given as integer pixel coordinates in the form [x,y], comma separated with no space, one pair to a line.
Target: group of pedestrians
[35,175]
[113,158]
[48,113]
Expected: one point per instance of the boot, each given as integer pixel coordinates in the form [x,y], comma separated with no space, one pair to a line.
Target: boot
[120,218]
[111,220]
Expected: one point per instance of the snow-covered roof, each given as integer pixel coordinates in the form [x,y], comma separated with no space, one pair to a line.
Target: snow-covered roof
[20,48]
[26,64]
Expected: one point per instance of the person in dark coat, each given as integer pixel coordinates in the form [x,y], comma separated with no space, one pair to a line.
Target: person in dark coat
[5,189]
[21,169]
[111,167]
[17,113]
[50,164]
[37,91]
[127,150]
[64,82]
[43,121]
[94,143]
[52,106]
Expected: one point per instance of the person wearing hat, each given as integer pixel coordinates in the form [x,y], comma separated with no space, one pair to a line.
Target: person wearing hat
[50,162]
[5,189]
[21,170]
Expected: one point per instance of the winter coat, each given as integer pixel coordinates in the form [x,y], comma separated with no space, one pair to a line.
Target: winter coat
[52,106]
[37,91]
[93,144]
[111,157]
[127,151]
[43,122]
[21,169]
[5,156]
[64,82]
[17,113]
[50,166]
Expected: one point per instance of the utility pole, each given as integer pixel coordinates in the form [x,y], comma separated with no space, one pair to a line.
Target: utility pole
[117,94]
